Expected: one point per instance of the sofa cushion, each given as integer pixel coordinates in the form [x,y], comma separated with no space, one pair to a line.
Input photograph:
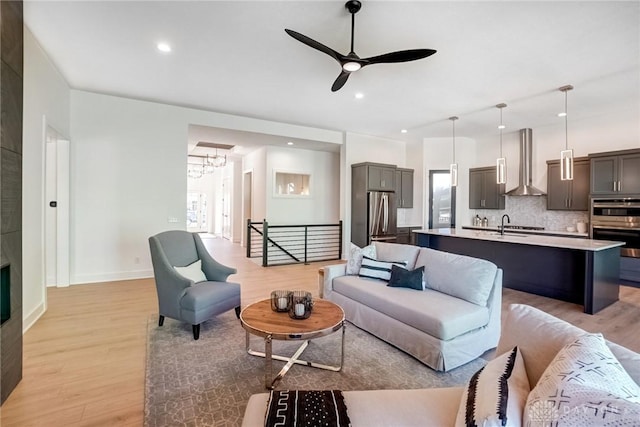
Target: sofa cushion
[355,257]
[594,388]
[397,252]
[403,278]
[458,275]
[432,312]
[496,394]
[381,270]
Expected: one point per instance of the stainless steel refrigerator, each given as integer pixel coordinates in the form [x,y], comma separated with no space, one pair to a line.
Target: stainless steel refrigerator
[374,217]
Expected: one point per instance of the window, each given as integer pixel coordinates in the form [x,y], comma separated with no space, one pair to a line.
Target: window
[291,184]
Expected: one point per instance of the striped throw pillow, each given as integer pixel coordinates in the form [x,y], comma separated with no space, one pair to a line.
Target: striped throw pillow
[381,270]
[495,396]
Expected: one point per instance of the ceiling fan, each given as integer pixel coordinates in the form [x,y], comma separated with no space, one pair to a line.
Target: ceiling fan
[352,62]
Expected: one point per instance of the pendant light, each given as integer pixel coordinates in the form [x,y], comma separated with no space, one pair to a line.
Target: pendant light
[453,169]
[566,155]
[501,163]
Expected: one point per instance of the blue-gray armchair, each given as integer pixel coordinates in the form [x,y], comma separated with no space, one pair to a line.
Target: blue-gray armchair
[179,297]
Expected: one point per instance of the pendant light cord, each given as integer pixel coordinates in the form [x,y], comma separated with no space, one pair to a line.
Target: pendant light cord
[501,126]
[453,124]
[566,123]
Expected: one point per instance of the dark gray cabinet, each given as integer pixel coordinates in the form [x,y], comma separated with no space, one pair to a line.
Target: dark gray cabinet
[404,187]
[406,235]
[615,173]
[568,195]
[484,192]
[380,177]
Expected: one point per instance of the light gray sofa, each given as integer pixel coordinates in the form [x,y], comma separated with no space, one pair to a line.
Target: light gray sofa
[453,321]
[538,335]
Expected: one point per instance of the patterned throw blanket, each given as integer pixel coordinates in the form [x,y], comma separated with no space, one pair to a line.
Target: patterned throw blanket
[298,408]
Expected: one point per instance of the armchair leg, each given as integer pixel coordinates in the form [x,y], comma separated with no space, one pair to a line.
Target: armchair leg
[238,312]
[196,332]
[161,320]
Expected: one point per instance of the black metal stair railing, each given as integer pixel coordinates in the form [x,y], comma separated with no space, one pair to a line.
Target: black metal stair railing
[292,244]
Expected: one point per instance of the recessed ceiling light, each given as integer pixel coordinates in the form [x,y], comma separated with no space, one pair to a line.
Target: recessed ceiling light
[403,131]
[359,95]
[289,143]
[164,47]
[502,127]
[563,114]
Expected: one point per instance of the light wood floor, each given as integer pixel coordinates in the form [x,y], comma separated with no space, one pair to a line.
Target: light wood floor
[84,359]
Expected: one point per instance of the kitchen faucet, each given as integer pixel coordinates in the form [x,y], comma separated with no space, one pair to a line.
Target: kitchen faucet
[502,223]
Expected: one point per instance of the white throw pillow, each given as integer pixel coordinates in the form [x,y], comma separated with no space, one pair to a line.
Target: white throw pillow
[584,385]
[496,394]
[381,270]
[355,257]
[192,272]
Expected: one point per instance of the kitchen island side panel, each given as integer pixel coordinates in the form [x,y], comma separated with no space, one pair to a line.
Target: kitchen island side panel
[603,273]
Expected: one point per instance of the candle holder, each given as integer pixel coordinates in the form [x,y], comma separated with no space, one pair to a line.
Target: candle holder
[280,301]
[301,305]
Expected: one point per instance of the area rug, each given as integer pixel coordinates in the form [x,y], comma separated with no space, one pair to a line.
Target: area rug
[208,382]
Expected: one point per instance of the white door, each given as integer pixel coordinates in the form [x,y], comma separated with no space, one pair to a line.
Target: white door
[197,218]
[57,269]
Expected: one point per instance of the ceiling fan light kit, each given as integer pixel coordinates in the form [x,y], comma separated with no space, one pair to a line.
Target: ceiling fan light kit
[352,62]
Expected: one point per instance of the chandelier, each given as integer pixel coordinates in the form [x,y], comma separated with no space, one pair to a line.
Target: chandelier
[208,165]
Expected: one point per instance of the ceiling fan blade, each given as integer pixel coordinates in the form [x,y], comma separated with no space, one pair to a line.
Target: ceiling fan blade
[314,44]
[399,56]
[340,81]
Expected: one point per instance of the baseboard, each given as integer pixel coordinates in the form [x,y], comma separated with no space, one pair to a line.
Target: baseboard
[33,317]
[111,277]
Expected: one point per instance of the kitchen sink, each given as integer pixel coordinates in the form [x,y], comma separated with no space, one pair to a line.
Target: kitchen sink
[509,233]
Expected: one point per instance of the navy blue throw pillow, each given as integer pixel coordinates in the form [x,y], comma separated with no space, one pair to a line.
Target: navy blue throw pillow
[403,278]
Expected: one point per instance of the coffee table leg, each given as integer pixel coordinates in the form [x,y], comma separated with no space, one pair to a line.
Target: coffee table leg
[268,363]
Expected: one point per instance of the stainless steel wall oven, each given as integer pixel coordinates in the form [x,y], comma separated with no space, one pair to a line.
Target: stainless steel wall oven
[617,219]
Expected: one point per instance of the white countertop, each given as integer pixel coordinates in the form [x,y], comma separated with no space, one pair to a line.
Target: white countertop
[541,232]
[526,239]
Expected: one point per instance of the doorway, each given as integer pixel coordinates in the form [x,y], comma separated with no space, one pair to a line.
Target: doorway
[442,200]
[247,185]
[226,208]
[197,218]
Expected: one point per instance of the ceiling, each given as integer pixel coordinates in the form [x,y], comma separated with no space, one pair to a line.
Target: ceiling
[234,57]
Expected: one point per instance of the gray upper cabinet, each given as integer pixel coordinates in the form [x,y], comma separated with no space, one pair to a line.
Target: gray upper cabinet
[484,192]
[380,177]
[404,187]
[615,173]
[568,195]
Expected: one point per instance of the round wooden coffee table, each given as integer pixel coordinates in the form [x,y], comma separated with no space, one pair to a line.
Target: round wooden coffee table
[259,319]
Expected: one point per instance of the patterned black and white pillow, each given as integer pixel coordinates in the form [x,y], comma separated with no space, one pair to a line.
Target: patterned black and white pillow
[381,270]
[355,257]
[496,394]
[584,385]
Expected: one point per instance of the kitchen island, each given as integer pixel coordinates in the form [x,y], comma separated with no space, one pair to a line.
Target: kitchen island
[577,270]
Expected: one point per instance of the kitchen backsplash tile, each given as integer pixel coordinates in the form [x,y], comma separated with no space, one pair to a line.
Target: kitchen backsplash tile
[530,211]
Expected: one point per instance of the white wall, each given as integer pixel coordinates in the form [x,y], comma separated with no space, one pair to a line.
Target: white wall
[128,177]
[46,94]
[322,206]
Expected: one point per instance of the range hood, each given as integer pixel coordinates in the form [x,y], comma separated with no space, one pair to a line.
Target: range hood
[525,187]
